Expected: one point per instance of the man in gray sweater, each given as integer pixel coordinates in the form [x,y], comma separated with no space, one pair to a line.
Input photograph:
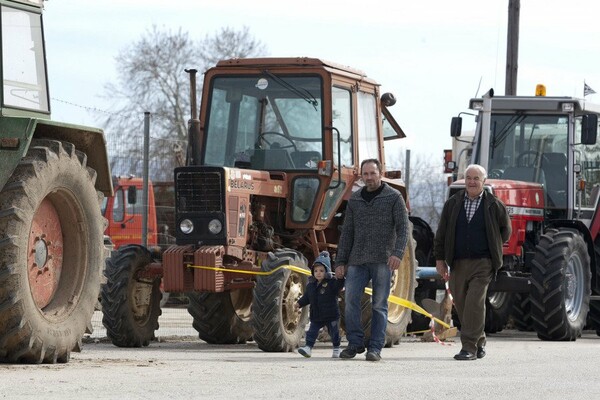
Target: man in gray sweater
[372,245]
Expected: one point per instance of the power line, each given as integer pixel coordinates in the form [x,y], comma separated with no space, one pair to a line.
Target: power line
[87,108]
[139,116]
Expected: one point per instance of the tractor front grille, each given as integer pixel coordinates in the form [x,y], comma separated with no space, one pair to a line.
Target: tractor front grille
[199,191]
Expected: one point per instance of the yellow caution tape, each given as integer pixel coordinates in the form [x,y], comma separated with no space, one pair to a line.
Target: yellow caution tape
[394,299]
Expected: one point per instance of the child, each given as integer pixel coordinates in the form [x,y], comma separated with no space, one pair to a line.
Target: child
[322,295]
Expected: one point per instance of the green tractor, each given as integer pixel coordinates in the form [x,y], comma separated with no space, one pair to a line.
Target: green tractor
[51,186]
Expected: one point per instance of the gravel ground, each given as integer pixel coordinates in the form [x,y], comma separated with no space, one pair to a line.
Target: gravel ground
[518,366]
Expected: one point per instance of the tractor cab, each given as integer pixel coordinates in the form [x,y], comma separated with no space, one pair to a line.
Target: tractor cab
[24,84]
[543,141]
[284,131]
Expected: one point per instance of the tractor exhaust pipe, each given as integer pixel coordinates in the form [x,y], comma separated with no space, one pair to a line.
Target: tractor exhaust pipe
[194,133]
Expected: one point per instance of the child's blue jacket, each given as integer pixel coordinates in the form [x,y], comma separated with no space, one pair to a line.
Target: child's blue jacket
[323,299]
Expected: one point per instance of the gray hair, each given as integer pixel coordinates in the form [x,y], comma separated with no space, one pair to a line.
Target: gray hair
[479,169]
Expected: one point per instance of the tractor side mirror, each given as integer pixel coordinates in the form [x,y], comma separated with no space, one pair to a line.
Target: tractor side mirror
[131,195]
[589,129]
[456,127]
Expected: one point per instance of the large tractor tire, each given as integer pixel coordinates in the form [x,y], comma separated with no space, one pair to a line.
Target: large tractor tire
[498,307]
[560,285]
[423,236]
[131,305]
[402,285]
[420,322]
[521,312]
[594,314]
[51,252]
[222,318]
[277,326]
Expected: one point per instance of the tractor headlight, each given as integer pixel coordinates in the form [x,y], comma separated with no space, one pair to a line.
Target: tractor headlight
[215,226]
[186,226]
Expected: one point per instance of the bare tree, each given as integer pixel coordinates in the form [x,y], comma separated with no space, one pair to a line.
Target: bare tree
[229,43]
[428,186]
[151,77]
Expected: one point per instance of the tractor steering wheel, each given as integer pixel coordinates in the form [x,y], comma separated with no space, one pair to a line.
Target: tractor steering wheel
[261,137]
[531,156]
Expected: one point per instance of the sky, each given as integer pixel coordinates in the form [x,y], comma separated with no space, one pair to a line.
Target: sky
[432,55]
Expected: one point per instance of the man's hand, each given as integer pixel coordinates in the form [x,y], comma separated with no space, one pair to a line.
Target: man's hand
[442,269]
[394,263]
[340,271]
[296,306]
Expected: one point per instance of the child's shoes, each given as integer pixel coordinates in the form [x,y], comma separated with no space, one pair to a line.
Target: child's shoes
[336,352]
[305,351]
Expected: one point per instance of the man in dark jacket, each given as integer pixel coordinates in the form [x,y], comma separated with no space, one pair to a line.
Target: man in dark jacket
[473,226]
[322,294]
[372,246]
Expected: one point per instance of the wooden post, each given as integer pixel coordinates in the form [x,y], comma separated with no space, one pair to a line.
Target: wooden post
[512,47]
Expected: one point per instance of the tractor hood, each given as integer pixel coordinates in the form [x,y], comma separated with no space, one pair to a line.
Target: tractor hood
[520,198]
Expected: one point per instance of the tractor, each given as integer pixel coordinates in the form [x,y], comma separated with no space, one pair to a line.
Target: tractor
[273,157]
[544,164]
[52,179]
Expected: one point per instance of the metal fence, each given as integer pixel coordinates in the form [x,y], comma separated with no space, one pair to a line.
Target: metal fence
[128,214]
[126,218]
[175,321]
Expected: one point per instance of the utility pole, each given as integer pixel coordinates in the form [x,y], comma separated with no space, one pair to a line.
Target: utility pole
[512,47]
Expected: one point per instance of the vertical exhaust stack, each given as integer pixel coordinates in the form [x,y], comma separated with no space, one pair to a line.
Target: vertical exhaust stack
[194,133]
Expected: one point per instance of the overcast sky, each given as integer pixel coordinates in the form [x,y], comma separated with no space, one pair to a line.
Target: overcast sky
[431,54]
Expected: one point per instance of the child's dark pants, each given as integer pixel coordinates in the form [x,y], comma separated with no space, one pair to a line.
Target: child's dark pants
[333,327]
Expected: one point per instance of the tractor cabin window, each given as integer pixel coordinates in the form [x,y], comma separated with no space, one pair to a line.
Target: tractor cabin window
[265,122]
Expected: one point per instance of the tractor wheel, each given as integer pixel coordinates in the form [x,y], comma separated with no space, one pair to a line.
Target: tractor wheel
[277,326]
[594,314]
[497,311]
[402,285]
[222,318]
[51,252]
[131,305]
[521,312]
[423,236]
[420,322]
[560,285]
[498,307]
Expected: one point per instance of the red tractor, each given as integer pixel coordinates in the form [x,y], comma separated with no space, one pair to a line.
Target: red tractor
[124,213]
[544,164]
[272,160]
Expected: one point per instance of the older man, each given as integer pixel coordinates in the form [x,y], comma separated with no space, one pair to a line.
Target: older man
[472,228]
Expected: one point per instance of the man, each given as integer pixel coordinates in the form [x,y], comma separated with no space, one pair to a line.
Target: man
[372,244]
[472,228]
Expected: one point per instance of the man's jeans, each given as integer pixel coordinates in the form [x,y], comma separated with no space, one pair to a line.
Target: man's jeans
[357,278]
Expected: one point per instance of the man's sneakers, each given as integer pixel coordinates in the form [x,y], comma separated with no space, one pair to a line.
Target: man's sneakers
[373,356]
[336,352]
[351,352]
[305,351]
